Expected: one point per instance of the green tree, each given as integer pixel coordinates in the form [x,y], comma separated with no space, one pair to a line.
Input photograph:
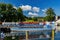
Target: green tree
[9,6]
[50,14]
[14,14]
[2,11]
[2,7]
[20,14]
[8,13]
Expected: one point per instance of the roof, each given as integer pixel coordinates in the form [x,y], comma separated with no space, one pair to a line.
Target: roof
[58,21]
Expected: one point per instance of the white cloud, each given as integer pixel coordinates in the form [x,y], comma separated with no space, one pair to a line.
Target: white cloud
[28,7]
[32,14]
[35,14]
[33,11]
[25,7]
[15,7]
[36,9]
[44,10]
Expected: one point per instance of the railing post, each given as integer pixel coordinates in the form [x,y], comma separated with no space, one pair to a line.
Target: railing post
[26,35]
[52,34]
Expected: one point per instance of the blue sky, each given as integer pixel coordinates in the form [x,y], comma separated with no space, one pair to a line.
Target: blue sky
[41,4]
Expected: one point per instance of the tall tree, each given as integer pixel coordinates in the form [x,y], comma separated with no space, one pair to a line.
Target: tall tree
[9,6]
[50,14]
[20,14]
[8,13]
[2,11]
[2,6]
[14,14]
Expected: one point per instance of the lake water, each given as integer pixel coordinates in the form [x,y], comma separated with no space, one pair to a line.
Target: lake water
[57,35]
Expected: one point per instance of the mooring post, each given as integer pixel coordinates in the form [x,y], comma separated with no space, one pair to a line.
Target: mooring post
[26,35]
[52,34]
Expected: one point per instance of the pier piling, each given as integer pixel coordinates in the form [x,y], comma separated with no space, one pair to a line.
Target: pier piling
[26,35]
[52,35]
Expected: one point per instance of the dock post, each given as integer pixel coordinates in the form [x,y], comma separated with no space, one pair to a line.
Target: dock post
[26,35]
[52,34]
